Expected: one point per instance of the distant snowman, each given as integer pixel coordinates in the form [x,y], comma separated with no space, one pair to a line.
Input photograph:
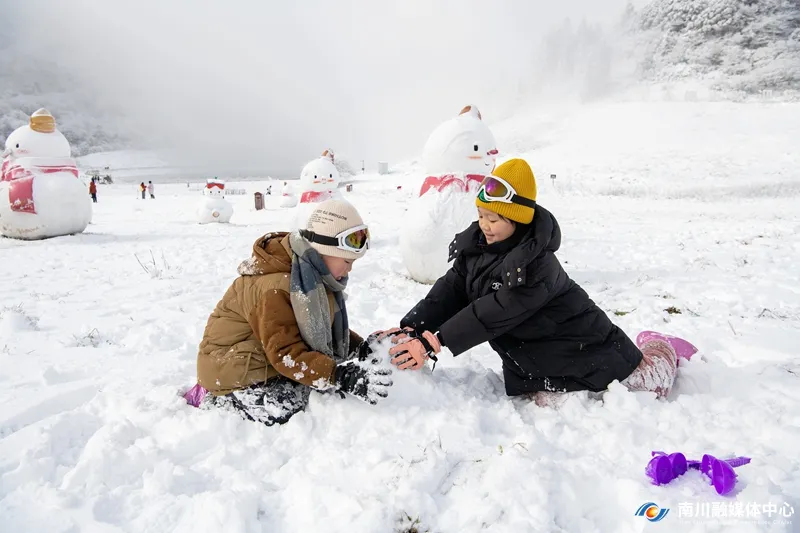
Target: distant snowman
[457,156]
[41,195]
[319,181]
[288,198]
[214,207]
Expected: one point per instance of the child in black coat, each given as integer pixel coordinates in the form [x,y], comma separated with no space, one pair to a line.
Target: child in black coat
[507,287]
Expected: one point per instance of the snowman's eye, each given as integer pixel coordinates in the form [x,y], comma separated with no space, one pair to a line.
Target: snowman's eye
[475,147]
[315,176]
[331,176]
[17,145]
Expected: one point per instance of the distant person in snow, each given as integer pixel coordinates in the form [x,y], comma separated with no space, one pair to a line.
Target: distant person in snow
[151,189]
[93,190]
[281,329]
[142,189]
[506,287]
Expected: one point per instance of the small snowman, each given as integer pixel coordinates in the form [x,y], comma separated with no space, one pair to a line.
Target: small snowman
[41,195]
[319,181]
[288,199]
[457,156]
[214,207]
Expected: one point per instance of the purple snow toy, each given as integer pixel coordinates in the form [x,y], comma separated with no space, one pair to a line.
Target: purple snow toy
[195,395]
[683,348]
[663,468]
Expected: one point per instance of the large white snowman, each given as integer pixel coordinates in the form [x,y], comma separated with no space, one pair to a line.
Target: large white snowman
[41,195]
[319,181]
[457,156]
[214,207]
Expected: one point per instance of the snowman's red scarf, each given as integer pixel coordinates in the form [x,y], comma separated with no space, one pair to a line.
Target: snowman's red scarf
[462,182]
[310,197]
[20,178]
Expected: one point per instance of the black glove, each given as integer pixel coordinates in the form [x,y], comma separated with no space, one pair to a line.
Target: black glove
[363,351]
[368,383]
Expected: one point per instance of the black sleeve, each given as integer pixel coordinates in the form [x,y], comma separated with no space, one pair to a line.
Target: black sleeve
[497,313]
[447,297]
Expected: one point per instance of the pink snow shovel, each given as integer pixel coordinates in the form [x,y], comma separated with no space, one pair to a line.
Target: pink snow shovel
[683,348]
[663,468]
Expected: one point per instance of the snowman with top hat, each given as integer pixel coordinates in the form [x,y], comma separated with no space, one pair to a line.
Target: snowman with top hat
[214,207]
[457,156]
[41,195]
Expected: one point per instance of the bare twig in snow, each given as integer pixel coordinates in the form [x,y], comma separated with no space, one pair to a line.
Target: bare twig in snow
[153,268]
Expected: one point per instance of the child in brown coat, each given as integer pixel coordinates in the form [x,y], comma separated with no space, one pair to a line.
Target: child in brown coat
[281,329]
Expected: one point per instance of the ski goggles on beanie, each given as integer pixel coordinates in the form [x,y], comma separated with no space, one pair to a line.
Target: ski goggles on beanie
[494,189]
[354,240]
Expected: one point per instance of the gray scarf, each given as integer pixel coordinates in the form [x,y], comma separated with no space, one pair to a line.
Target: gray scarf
[309,300]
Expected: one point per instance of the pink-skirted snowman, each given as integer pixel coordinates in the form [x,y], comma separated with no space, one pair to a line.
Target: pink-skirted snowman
[41,195]
[457,156]
[214,207]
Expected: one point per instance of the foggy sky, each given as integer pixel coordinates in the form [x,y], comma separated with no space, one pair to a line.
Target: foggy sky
[269,85]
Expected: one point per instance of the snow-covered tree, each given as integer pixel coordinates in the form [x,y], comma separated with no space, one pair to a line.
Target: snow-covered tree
[28,83]
[747,45]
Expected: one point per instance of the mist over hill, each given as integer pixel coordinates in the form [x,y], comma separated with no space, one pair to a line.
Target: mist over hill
[271,90]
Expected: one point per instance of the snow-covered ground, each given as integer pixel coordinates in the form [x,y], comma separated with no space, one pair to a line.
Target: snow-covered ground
[689,207]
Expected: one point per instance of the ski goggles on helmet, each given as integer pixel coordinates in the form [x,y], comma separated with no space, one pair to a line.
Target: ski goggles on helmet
[494,189]
[354,240]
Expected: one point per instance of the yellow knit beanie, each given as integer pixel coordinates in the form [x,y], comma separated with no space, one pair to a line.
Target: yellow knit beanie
[519,175]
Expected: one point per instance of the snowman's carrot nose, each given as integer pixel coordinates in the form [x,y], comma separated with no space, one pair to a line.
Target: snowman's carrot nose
[492,152]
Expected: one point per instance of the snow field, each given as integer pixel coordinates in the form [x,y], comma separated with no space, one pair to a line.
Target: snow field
[96,348]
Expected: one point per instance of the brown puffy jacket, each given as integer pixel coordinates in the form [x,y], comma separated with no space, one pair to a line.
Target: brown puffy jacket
[252,335]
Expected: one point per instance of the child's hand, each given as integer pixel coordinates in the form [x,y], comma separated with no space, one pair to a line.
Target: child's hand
[394,333]
[367,383]
[364,350]
[414,350]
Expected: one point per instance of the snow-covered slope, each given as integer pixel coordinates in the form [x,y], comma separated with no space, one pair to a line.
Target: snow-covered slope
[99,333]
[661,150]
